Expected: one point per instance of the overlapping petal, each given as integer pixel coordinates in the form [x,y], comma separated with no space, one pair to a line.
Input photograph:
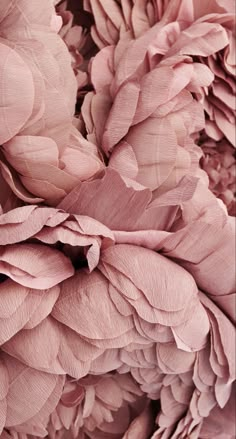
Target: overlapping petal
[27,396]
[44,154]
[152,83]
[117,286]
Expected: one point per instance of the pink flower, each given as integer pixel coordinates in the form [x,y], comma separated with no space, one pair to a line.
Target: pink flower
[117,293]
[142,114]
[44,154]
[110,316]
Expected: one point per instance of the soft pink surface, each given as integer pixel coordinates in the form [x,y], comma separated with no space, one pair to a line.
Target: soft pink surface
[117,248]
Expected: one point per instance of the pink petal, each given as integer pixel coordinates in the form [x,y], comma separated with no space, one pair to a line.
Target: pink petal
[35,266]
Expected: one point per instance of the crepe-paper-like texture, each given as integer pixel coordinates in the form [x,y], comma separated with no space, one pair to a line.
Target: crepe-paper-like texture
[117,219]
[78,39]
[44,154]
[219,163]
[115,20]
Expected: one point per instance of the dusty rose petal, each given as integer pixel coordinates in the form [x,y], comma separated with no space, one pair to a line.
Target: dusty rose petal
[21,406]
[87,306]
[35,266]
[22,307]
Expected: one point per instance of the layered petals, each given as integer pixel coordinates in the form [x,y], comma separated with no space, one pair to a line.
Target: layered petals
[27,407]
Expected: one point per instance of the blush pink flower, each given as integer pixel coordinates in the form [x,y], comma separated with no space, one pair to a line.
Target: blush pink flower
[142,114]
[40,245]
[44,154]
[114,315]
[153,335]
[120,20]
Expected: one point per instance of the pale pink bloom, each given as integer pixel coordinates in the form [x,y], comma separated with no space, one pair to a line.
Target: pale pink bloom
[219,163]
[120,22]
[142,114]
[82,238]
[112,318]
[142,328]
[44,154]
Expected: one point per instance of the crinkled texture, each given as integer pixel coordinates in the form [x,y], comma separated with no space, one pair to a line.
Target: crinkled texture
[28,397]
[79,42]
[50,226]
[126,284]
[96,406]
[113,318]
[45,155]
[215,426]
[114,18]
[219,163]
[34,266]
[219,98]
[139,317]
[144,98]
[23,307]
[213,376]
[210,259]
[8,199]
[122,208]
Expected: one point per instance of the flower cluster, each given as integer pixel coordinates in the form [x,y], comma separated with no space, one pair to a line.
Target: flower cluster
[117,236]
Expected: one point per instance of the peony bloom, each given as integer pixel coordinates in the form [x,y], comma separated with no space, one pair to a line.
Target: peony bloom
[219,164]
[153,335]
[117,287]
[91,292]
[126,20]
[44,154]
[100,405]
[152,80]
